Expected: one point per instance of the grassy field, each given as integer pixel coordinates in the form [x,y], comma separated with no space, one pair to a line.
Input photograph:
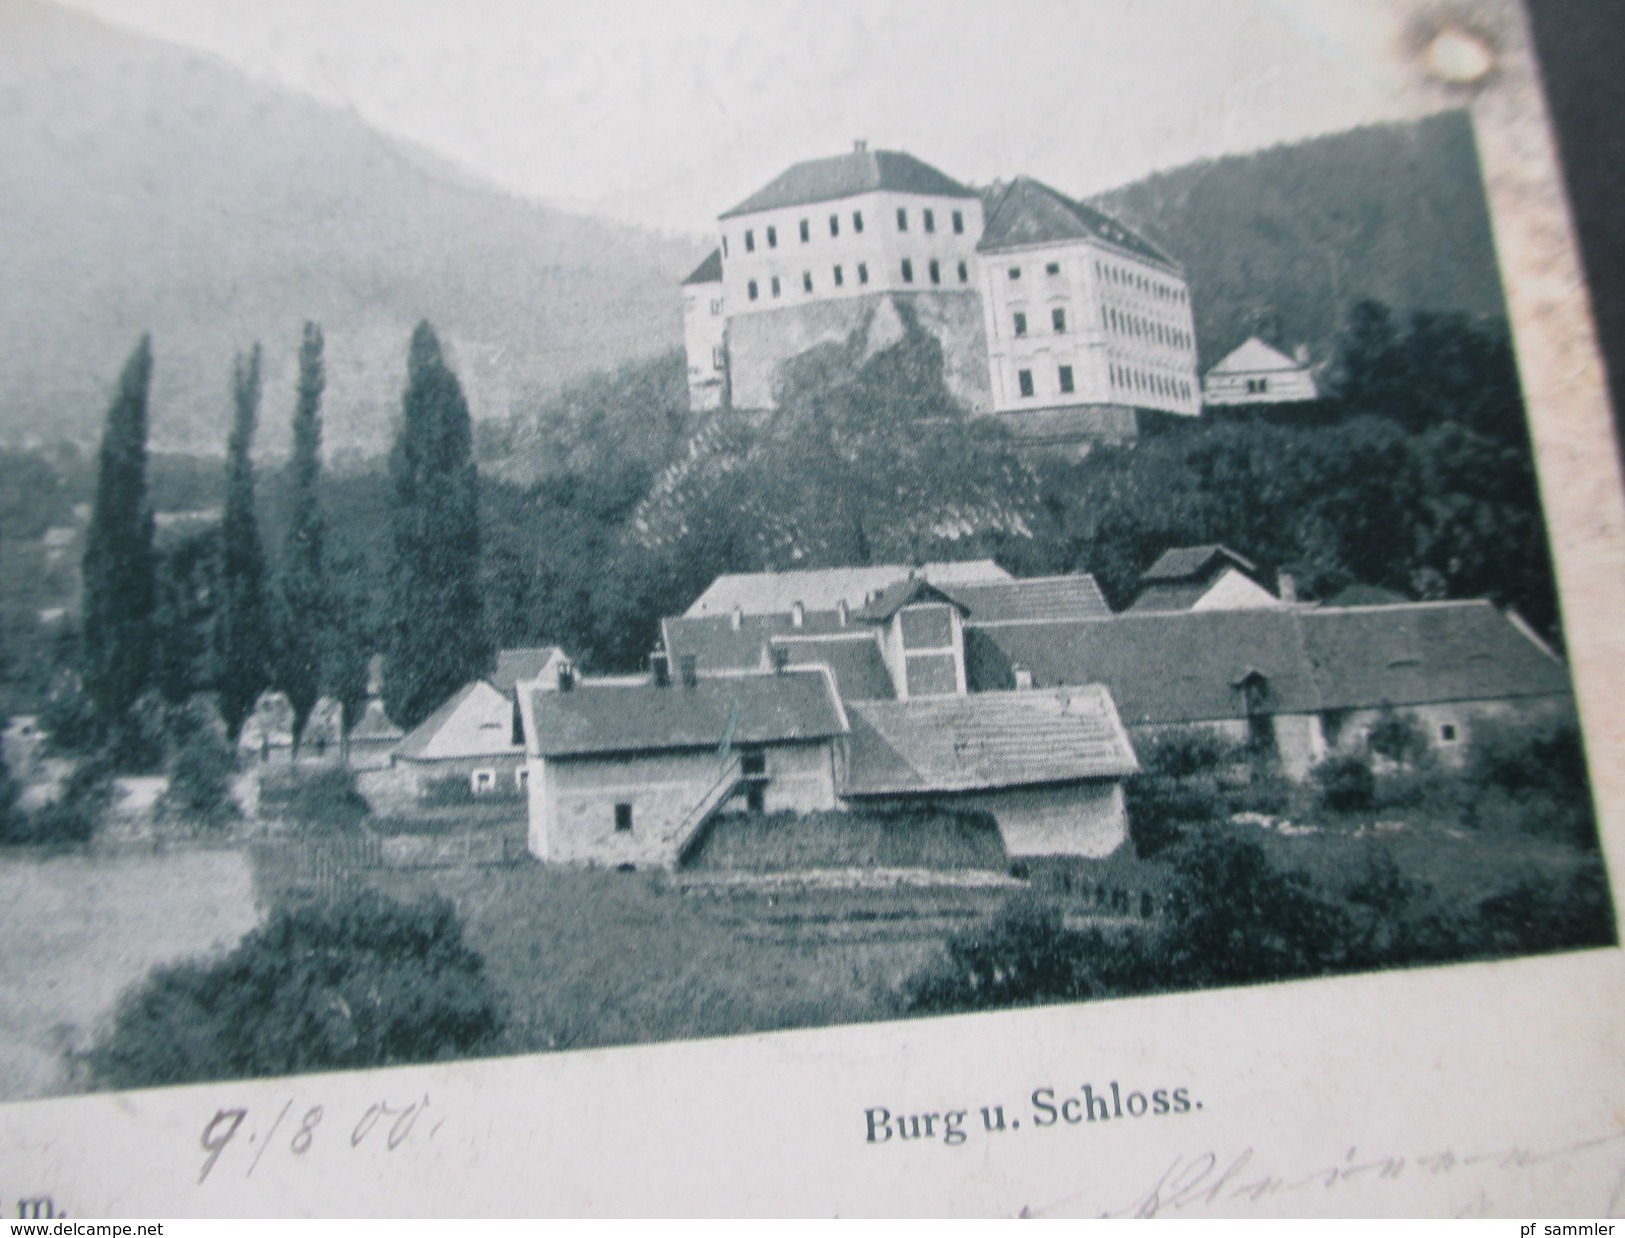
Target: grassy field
[595,957]
[78,929]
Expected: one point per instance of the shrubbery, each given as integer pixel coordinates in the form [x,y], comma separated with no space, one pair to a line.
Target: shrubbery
[74,816]
[363,981]
[1345,783]
[326,801]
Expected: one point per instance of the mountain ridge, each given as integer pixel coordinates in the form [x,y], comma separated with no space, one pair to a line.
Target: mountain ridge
[156,189]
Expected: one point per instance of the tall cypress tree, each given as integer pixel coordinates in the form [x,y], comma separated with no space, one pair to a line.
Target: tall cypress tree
[118,563]
[242,635]
[435,640]
[303,595]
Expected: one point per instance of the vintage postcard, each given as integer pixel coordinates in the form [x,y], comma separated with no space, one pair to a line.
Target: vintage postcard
[795,609]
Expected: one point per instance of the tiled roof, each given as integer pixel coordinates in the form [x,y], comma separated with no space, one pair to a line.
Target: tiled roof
[709,271]
[375,726]
[985,742]
[1169,595]
[718,646]
[516,665]
[1419,652]
[1188,666]
[1194,562]
[418,739]
[1037,597]
[1255,357]
[1029,212]
[600,720]
[843,176]
[859,669]
[903,593]
[767,593]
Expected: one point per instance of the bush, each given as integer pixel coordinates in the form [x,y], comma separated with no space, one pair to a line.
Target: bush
[75,815]
[363,981]
[1397,738]
[326,801]
[1346,784]
[1530,779]
[200,775]
[1025,956]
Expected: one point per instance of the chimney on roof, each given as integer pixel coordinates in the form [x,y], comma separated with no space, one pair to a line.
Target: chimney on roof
[1024,676]
[736,619]
[841,612]
[1300,354]
[781,659]
[860,145]
[567,677]
[798,614]
[1288,584]
[660,669]
[690,669]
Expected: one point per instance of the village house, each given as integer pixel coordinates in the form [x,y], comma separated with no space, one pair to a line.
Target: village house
[1204,645]
[1052,317]
[1255,373]
[471,747]
[628,773]
[1297,683]
[1206,578]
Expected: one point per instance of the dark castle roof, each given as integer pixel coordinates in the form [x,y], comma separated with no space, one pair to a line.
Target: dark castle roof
[709,271]
[844,176]
[1029,212]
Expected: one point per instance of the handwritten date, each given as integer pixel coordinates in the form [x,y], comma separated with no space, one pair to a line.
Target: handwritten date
[380,1122]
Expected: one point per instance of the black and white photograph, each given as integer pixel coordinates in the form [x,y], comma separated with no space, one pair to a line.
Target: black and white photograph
[530,528]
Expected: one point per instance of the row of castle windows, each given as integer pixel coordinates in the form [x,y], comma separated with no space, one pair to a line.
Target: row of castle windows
[1130,324]
[1133,279]
[1024,381]
[928,219]
[933,272]
[1057,319]
[1050,268]
[1156,384]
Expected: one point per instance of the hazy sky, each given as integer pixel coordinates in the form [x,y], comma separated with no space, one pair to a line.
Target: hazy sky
[666,113]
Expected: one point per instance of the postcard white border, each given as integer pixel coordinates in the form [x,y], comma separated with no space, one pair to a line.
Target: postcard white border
[1492,1089]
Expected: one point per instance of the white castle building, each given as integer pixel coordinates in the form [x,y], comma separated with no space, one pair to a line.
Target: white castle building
[1051,316]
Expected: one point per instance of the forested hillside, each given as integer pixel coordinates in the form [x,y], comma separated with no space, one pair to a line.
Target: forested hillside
[1285,242]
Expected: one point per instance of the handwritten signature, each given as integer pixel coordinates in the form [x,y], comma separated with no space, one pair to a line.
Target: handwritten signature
[1212,1178]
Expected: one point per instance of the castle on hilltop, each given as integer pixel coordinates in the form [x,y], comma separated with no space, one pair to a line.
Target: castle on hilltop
[1052,316]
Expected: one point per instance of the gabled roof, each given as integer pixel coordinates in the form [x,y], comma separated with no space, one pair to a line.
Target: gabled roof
[626,719]
[844,176]
[859,669]
[717,645]
[453,731]
[903,593]
[985,742]
[1028,598]
[1029,212]
[768,593]
[1187,666]
[375,726]
[1255,357]
[709,271]
[1195,563]
[517,665]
